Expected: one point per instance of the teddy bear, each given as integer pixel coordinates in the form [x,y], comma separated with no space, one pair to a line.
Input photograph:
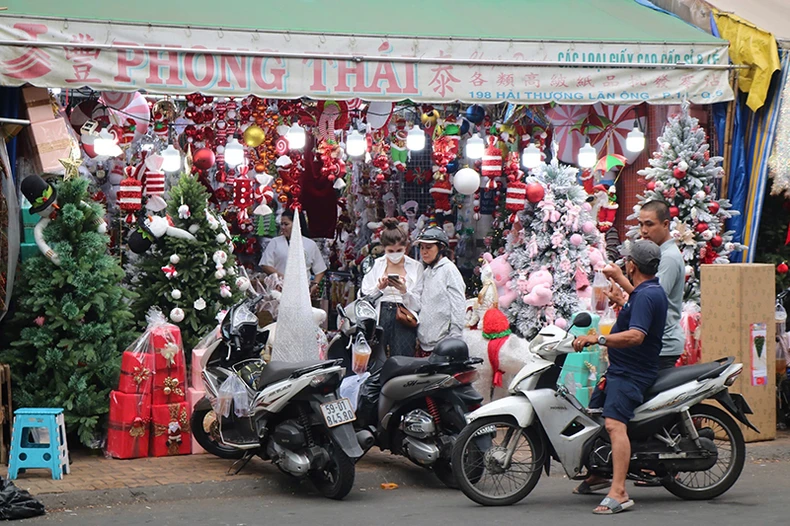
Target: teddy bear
[539,289]
[501,272]
[597,259]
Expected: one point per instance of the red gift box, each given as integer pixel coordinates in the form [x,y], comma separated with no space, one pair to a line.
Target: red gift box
[170,385]
[167,347]
[137,371]
[128,435]
[170,430]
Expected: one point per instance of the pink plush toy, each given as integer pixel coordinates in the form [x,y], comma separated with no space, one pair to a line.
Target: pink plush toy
[501,271]
[596,258]
[539,289]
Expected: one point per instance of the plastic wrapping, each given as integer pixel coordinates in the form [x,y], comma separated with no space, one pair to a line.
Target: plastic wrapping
[233,392]
[271,287]
[17,503]
[350,388]
[690,323]
[368,402]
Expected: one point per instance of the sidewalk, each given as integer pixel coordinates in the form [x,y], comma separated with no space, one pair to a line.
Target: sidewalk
[95,480]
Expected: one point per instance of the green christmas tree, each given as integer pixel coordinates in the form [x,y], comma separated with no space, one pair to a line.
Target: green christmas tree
[189,280]
[72,320]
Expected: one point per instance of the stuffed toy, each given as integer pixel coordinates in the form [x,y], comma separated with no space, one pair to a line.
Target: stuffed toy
[502,271]
[441,191]
[539,289]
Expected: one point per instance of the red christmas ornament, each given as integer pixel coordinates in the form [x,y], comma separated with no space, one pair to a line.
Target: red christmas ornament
[716,241]
[130,195]
[441,191]
[492,160]
[203,159]
[782,268]
[651,185]
[678,173]
[701,227]
[674,211]
[535,192]
[516,197]
[713,207]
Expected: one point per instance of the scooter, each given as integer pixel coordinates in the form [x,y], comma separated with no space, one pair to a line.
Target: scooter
[696,450]
[294,416]
[414,407]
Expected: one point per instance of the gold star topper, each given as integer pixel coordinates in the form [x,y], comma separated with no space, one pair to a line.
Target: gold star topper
[71,164]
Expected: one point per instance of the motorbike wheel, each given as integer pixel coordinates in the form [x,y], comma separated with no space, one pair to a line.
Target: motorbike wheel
[336,479]
[709,484]
[477,461]
[204,428]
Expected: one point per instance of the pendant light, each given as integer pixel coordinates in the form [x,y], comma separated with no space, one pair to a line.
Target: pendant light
[296,137]
[415,140]
[475,147]
[171,159]
[356,144]
[588,156]
[635,140]
[234,153]
[531,157]
[106,145]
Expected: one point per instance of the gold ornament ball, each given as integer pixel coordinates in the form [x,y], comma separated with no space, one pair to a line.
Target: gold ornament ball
[167,390]
[254,136]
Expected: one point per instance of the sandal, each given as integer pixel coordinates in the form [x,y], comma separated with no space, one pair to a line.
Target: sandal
[612,506]
[586,489]
[648,483]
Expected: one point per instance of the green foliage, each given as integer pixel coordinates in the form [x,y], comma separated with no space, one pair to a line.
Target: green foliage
[771,238]
[196,268]
[72,359]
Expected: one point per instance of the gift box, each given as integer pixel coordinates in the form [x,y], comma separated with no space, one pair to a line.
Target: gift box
[128,434]
[193,397]
[44,143]
[38,104]
[170,430]
[581,369]
[170,385]
[167,347]
[195,369]
[136,372]
[583,395]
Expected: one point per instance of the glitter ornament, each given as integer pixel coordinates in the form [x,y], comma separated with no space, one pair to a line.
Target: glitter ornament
[175,294]
[782,268]
[177,315]
[174,259]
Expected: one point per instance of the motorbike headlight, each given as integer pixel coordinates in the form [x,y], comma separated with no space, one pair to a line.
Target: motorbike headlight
[364,310]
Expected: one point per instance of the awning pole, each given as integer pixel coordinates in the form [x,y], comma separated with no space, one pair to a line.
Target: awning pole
[365,58]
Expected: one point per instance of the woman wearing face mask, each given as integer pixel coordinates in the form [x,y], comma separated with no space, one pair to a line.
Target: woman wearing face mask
[397,275]
[442,290]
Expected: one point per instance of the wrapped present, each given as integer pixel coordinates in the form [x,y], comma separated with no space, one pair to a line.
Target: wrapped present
[136,372]
[38,104]
[196,370]
[583,395]
[193,397]
[581,370]
[47,142]
[170,430]
[166,346]
[130,419]
[170,386]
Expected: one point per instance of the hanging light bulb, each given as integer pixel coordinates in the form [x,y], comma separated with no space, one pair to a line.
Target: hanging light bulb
[296,137]
[475,147]
[588,156]
[531,157]
[415,140]
[356,144]
[635,140]
[234,153]
[106,144]
[171,159]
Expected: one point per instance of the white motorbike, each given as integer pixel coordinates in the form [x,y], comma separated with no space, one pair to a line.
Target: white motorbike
[696,450]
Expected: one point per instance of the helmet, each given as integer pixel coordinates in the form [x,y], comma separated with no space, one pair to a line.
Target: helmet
[433,234]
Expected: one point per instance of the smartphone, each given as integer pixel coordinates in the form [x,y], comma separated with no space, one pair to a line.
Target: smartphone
[394,277]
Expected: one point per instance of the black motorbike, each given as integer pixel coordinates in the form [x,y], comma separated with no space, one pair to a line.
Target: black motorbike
[414,407]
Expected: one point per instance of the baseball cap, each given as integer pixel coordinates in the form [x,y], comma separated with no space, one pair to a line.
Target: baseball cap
[646,255]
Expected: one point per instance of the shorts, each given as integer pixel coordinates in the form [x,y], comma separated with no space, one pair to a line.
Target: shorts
[619,398]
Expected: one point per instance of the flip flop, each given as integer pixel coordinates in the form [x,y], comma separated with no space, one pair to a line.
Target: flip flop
[648,484]
[612,506]
[586,489]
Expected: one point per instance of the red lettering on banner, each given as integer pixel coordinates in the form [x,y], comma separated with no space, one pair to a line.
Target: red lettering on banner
[319,69]
[156,62]
[346,69]
[411,80]
[237,65]
[128,60]
[384,72]
[192,69]
[262,69]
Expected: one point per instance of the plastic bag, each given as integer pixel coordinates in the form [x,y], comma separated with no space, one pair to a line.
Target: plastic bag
[17,503]
[350,388]
[368,403]
[233,390]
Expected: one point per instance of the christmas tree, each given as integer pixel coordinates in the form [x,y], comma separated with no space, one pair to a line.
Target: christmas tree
[189,273]
[551,253]
[683,174]
[72,318]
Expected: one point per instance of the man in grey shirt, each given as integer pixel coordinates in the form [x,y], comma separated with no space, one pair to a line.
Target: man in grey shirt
[654,221]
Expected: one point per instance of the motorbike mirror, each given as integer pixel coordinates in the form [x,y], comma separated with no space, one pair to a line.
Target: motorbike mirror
[583,319]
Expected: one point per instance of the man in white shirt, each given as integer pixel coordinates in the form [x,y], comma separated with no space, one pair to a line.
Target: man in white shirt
[275,256]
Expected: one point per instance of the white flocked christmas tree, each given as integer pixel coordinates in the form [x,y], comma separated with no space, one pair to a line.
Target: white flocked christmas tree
[683,174]
[551,251]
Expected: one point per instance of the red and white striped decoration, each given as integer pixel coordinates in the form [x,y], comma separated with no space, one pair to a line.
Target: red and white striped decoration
[515,198]
[492,160]
[154,176]
[130,195]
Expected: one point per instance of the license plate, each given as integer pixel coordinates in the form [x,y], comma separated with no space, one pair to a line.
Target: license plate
[338,412]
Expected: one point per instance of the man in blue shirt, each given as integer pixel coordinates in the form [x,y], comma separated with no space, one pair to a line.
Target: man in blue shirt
[634,347]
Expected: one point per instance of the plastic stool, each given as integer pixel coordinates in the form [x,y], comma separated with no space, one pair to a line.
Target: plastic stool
[26,454]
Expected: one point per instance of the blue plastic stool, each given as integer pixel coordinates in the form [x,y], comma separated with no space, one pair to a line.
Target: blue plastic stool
[26,454]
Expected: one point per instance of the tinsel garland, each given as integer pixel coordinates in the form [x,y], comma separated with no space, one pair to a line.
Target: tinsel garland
[779,163]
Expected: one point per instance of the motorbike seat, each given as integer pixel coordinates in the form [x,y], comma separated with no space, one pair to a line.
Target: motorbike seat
[276,371]
[400,366]
[670,378]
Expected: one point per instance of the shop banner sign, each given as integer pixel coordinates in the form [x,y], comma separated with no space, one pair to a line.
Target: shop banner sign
[183,60]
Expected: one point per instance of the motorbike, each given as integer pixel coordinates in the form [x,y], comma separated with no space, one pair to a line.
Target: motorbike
[414,407]
[695,450]
[294,416]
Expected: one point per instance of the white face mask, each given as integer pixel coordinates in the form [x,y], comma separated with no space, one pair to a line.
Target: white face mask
[395,257]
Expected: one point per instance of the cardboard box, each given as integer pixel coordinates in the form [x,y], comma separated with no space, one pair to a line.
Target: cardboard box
[193,397]
[38,104]
[45,143]
[734,298]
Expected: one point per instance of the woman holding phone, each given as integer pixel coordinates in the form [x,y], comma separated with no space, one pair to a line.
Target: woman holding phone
[397,276]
